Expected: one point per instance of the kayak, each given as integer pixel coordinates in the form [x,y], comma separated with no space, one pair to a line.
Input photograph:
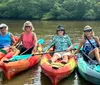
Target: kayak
[61,71]
[11,68]
[88,70]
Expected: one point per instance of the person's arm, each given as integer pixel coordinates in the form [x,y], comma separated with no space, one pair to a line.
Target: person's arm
[18,41]
[35,42]
[80,45]
[12,38]
[69,44]
[97,40]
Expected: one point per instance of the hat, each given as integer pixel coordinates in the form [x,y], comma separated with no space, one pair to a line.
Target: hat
[87,29]
[60,28]
[3,25]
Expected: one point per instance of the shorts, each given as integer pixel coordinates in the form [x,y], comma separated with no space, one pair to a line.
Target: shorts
[22,49]
[62,54]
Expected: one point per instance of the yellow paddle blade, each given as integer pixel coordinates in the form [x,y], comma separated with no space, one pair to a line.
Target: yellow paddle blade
[40,48]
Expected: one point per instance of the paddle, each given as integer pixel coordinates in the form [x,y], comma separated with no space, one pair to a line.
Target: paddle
[19,57]
[76,47]
[22,57]
[88,57]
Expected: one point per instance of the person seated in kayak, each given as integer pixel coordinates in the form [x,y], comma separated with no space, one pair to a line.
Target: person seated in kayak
[90,43]
[6,38]
[28,39]
[61,42]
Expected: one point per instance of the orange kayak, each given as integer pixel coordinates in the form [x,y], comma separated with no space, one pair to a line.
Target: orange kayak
[10,69]
[62,71]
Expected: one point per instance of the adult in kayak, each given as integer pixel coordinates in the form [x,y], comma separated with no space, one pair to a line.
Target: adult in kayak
[90,43]
[61,42]
[28,39]
[6,38]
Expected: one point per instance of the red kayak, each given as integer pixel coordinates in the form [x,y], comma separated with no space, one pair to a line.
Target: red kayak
[61,71]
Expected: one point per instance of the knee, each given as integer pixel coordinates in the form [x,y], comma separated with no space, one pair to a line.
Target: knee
[96,49]
[18,51]
[55,56]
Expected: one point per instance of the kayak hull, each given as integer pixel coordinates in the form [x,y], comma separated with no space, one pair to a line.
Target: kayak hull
[57,74]
[12,68]
[88,71]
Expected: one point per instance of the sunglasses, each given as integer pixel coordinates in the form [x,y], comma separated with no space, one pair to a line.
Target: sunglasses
[60,30]
[87,30]
[27,26]
[2,27]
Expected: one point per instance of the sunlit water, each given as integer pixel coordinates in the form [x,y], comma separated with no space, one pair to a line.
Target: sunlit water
[45,30]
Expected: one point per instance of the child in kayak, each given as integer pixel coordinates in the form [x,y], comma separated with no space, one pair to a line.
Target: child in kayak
[28,39]
[61,42]
[6,39]
[90,43]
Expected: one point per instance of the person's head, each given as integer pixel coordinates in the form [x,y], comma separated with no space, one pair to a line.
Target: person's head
[28,26]
[88,31]
[60,30]
[3,28]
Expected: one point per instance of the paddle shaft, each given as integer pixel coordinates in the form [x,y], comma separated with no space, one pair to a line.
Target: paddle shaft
[26,50]
[52,52]
[49,52]
[40,41]
[88,57]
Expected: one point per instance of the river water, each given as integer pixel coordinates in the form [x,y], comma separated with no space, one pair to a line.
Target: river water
[45,30]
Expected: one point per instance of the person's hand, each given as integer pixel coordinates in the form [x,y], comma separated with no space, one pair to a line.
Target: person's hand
[67,49]
[11,48]
[34,50]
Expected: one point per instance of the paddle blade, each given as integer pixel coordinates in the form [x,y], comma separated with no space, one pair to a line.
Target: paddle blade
[20,57]
[40,41]
[76,47]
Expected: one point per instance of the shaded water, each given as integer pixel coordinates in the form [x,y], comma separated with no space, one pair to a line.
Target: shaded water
[46,29]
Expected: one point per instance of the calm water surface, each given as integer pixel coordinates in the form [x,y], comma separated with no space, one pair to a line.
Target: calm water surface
[45,30]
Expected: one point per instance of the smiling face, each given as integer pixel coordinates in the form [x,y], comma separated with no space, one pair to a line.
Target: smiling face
[3,30]
[28,27]
[88,33]
[60,32]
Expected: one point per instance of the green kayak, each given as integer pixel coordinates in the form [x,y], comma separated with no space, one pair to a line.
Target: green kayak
[88,70]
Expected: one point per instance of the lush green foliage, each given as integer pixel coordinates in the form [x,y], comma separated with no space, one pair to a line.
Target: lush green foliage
[50,9]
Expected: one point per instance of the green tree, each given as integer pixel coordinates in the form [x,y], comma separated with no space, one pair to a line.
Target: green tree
[97,10]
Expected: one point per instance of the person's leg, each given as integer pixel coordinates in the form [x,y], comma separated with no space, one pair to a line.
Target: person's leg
[95,52]
[20,50]
[65,57]
[55,57]
[29,51]
[6,49]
